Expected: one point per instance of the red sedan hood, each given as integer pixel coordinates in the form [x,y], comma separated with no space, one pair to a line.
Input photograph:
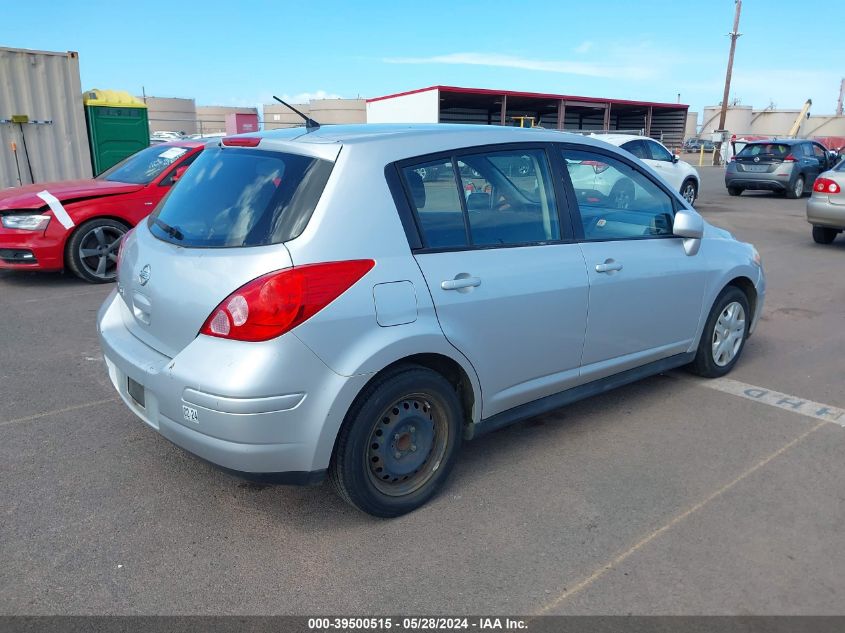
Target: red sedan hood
[26,198]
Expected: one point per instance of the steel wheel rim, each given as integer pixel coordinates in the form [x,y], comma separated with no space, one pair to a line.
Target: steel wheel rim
[728,334]
[689,193]
[98,251]
[406,445]
[799,187]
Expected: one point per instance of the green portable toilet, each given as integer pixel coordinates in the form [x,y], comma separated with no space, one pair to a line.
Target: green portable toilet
[118,126]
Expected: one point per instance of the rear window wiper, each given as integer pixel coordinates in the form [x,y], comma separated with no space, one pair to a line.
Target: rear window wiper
[172,231]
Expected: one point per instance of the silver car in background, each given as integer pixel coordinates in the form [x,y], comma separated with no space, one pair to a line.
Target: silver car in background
[826,206]
[307,305]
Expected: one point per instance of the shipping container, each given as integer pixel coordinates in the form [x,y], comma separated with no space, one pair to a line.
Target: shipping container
[238,123]
[43,89]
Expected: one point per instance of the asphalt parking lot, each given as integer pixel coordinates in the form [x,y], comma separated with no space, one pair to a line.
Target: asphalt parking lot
[669,496]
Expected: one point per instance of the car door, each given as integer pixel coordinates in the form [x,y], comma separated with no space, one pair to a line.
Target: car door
[820,155]
[646,293]
[664,163]
[508,282]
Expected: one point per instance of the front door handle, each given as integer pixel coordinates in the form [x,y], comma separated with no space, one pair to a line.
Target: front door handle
[609,266]
[460,282]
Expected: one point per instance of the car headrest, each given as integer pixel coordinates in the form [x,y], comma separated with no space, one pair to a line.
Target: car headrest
[415,184]
[478,201]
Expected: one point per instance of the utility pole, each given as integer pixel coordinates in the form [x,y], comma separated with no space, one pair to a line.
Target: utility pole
[841,98]
[734,34]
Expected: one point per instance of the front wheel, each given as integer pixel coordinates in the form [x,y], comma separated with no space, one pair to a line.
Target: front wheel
[724,335]
[689,191]
[92,250]
[824,235]
[398,443]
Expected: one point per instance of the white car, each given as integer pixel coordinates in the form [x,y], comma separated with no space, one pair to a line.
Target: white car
[682,176]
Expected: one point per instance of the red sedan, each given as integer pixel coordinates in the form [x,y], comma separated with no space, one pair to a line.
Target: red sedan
[78,224]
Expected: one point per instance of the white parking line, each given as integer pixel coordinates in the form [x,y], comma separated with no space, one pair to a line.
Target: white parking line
[45,414]
[776,399]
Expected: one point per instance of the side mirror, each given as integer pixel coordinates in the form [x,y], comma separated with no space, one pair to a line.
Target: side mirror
[178,173]
[676,158]
[689,225]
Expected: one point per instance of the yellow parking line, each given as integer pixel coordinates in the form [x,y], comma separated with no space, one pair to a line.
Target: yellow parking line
[601,571]
[57,411]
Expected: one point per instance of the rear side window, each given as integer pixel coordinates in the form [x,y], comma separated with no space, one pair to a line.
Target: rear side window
[774,150]
[637,148]
[496,198]
[241,197]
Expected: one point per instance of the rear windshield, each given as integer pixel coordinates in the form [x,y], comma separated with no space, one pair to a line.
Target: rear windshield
[241,197]
[775,150]
[142,167]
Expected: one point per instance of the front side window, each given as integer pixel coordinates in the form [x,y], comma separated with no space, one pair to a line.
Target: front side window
[615,200]
[819,152]
[143,167]
[496,198]
[241,197]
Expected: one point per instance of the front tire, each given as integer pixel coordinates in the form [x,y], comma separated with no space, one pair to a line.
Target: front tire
[724,335]
[398,443]
[824,235]
[689,191]
[92,250]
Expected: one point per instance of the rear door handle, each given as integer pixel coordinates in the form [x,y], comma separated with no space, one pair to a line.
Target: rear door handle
[608,266]
[460,282]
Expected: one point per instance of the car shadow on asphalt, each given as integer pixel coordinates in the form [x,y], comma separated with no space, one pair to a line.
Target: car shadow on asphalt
[43,279]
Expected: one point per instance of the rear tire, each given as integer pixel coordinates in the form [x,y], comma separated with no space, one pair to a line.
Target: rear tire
[797,189]
[724,335]
[689,191]
[824,235]
[91,252]
[734,191]
[398,443]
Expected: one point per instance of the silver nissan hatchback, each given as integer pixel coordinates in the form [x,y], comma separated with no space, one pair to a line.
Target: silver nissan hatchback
[305,304]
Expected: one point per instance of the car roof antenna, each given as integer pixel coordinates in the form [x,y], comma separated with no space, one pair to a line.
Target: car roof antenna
[310,124]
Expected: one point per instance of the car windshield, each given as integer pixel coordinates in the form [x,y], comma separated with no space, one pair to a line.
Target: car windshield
[142,167]
[840,166]
[241,197]
[776,150]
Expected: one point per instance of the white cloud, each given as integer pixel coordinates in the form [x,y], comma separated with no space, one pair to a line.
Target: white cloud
[305,97]
[584,47]
[588,69]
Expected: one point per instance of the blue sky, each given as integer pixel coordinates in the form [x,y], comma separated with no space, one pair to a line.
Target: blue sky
[240,53]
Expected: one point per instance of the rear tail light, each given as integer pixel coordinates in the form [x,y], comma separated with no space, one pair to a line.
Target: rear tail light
[597,166]
[790,158]
[826,185]
[276,303]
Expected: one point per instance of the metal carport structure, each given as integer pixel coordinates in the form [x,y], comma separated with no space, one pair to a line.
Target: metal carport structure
[452,104]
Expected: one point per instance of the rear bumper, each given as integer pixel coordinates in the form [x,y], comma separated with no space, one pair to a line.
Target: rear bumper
[282,436]
[822,212]
[28,250]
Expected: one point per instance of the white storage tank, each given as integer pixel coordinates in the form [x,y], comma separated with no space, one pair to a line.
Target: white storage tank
[737,121]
